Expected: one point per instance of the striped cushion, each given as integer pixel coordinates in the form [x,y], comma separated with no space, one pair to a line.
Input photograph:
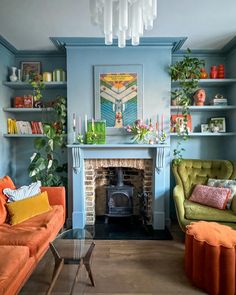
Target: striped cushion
[23,192]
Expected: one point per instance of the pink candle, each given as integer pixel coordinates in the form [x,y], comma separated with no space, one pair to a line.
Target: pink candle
[162,122]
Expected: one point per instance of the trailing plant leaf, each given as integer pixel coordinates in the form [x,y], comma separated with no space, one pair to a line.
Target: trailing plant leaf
[187,72]
[44,164]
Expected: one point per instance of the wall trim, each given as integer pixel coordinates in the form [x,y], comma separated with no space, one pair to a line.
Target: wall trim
[7,45]
[175,42]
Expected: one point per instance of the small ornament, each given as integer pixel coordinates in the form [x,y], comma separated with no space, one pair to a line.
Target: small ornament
[203,73]
[80,138]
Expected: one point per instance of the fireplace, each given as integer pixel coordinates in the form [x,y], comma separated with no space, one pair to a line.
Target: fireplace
[145,168]
[119,201]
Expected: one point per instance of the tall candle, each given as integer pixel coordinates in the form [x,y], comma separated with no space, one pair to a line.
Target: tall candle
[86,123]
[74,121]
[80,124]
[162,122]
[92,124]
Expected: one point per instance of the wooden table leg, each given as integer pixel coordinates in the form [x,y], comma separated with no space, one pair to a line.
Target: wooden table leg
[86,262]
[59,262]
[76,276]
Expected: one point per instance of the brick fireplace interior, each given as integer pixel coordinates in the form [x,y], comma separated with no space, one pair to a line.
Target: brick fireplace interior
[99,173]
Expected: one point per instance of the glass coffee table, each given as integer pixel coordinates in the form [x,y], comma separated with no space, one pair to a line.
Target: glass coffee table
[74,246]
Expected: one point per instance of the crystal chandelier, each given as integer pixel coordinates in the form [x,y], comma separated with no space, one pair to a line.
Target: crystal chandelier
[124,19]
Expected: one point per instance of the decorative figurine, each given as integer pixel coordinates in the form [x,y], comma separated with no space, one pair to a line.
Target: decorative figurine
[199,97]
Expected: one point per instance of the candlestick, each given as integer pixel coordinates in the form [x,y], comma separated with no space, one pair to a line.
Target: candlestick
[85,123]
[162,122]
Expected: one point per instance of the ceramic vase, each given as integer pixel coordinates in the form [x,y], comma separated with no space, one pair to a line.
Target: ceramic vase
[13,77]
[213,73]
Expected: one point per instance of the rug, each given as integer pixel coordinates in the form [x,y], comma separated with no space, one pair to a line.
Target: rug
[126,229]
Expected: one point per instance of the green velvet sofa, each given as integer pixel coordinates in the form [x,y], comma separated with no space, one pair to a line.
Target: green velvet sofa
[191,172]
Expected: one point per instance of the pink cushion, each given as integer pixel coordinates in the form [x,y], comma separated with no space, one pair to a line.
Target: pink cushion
[216,197]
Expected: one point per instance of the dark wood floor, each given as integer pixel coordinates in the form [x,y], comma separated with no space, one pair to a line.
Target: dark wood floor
[122,267]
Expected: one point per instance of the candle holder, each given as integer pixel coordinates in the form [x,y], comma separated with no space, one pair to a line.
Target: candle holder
[74,134]
[80,138]
[162,137]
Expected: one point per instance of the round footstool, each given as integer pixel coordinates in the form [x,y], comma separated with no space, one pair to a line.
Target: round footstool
[210,257]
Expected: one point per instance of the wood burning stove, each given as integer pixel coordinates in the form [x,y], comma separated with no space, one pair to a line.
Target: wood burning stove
[119,202]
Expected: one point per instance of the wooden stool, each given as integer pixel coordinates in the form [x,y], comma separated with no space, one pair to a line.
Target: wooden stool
[210,257]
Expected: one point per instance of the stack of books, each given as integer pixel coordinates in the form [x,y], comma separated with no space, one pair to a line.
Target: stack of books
[24,127]
[219,101]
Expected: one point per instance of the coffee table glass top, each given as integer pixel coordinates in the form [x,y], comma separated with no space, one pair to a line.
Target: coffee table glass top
[73,244]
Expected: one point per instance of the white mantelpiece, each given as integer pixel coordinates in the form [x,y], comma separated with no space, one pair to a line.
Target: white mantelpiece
[160,178]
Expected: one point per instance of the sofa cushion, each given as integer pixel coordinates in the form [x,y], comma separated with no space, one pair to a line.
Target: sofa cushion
[23,192]
[33,232]
[27,208]
[194,211]
[5,182]
[13,259]
[229,183]
[216,197]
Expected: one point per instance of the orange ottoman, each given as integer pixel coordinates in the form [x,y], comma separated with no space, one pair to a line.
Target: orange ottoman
[210,257]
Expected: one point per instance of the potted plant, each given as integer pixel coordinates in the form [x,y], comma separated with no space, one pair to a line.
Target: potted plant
[45,161]
[187,72]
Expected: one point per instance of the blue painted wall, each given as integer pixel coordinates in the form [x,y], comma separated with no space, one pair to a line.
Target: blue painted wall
[7,151]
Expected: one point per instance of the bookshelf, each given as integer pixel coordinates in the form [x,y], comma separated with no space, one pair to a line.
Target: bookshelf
[25,85]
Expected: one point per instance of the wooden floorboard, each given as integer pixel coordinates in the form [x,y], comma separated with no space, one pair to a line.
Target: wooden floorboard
[120,268]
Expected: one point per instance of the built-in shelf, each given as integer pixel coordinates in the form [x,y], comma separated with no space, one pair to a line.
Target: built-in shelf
[206,134]
[26,85]
[27,110]
[23,135]
[204,108]
[209,82]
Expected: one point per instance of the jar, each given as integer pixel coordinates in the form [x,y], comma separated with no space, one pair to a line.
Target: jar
[221,71]
[214,72]
[203,73]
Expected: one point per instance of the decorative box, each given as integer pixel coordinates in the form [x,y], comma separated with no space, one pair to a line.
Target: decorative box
[96,133]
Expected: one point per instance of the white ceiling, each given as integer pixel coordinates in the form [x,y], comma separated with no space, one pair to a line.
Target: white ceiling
[28,24]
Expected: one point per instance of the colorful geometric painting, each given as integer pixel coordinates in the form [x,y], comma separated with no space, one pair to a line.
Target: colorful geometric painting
[118,94]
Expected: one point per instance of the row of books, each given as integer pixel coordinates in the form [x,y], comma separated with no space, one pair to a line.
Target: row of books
[24,127]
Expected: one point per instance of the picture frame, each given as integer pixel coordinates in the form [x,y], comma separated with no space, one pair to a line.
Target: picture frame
[218,124]
[29,69]
[205,128]
[118,94]
[177,123]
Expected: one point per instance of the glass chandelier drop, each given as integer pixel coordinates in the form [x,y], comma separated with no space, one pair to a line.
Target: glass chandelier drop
[123,19]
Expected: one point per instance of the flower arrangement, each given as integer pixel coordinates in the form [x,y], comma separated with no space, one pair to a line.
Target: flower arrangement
[139,130]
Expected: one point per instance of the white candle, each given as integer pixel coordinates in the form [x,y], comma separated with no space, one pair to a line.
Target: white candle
[85,123]
[74,120]
[92,124]
[80,124]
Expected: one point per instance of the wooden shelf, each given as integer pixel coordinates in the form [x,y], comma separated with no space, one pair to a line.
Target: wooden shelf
[206,134]
[23,135]
[204,108]
[26,85]
[28,110]
[209,82]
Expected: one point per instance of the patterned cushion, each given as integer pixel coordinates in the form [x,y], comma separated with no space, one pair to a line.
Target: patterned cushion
[224,183]
[216,197]
[23,192]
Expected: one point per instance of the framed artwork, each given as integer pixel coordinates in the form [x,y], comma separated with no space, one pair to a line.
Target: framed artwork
[205,128]
[177,123]
[29,69]
[118,94]
[218,124]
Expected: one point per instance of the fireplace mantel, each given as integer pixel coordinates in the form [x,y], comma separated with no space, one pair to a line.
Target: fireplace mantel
[159,153]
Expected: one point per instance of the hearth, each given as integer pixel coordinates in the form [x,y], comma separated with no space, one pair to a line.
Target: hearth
[119,201]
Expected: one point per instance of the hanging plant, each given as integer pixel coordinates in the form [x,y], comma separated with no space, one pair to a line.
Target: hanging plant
[187,73]
[37,85]
[45,161]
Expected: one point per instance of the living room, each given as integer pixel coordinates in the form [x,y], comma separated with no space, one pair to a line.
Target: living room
[117,143]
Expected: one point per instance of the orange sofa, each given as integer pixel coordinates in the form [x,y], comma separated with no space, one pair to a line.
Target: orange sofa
[24,244]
